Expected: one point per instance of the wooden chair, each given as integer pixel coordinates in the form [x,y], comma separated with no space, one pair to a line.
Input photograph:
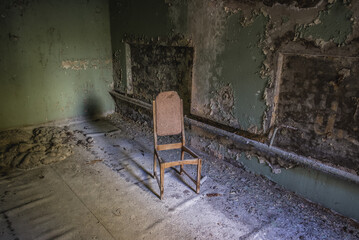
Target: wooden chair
[168,120]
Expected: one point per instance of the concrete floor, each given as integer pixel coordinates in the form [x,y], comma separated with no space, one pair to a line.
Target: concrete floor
[105,191]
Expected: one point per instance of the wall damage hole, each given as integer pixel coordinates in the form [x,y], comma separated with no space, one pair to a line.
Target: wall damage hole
[221,106]
[156,68]
[84,64]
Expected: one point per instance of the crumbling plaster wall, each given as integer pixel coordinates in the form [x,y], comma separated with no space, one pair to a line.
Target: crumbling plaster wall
[227,86]
[236,46]
[240,48]
[135,22]
[311,96]
[161,68]
[243,53]
[55,60]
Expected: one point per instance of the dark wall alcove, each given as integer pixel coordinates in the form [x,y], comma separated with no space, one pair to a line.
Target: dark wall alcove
[322,104]
[161,68]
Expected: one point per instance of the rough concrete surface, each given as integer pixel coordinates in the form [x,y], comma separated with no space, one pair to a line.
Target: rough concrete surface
[105,191]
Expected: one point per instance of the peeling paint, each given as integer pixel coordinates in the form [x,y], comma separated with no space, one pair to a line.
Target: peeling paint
[239,49]
[319,103]
[333,24]
[241,61]
[222,106]
[117,71]
[206,30]
[160,68]
[87,64]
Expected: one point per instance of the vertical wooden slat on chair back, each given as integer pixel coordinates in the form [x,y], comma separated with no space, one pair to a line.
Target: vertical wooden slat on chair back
[168,113]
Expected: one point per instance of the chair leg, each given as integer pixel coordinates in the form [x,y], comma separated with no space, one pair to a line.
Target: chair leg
[162,180]
[181,166]
[199,166]
[154,165]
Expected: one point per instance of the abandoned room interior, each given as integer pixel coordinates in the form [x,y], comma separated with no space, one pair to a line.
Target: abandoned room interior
[270,96]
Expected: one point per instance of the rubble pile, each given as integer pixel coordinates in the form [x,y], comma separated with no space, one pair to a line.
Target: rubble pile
[21,149]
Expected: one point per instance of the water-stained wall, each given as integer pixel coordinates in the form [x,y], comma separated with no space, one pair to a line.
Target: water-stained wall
[55,60]
[257,65]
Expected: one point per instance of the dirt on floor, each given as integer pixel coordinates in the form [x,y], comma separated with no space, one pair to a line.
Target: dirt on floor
[278,213]
[29,148]
[104,190]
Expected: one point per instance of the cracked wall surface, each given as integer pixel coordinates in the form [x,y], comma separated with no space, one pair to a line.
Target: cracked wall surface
[239,62]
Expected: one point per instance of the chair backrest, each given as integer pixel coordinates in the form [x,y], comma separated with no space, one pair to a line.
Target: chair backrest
[168,114]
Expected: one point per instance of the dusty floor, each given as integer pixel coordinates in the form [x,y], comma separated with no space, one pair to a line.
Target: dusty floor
[104,191]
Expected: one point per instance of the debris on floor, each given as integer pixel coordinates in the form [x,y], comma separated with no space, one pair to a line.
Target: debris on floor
[104,190]
[244,196]
[41,146]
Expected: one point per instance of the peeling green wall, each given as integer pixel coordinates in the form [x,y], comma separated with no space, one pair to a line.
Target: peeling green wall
[332,24]
[226,53]
[55,60]
[241,61]
[237,45]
